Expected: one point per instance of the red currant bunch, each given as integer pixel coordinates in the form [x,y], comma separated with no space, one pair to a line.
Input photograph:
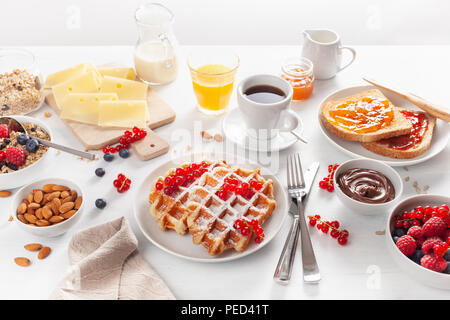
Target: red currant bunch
[122,183]
[182,177]
[126,139]
[246,227]
[327,183]
[420,215]
[244,189]
[340,234]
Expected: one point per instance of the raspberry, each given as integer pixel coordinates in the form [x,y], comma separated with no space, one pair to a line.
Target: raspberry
[434,227]
[427,246]
[15,155]
[415,232]
[4,131]
[433,262]
[407,245]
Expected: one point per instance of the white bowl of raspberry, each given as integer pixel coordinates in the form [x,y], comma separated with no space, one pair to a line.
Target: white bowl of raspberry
[418,238]
[14,175]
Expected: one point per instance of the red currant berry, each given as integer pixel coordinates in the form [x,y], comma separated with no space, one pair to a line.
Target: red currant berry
[190,178]
[325,228]
[244,185]
[405,215]
[180,172]
[334,233]
[258,186]
[406,224]
[330,188]
[196,173]
[159,186]
[258,240]
[398,223]
[415,222]
[344,233]
[342,240]
[335,224]
[117,183]
[317,217]
[245,231]
[195,166]
[252,183]
[312,222]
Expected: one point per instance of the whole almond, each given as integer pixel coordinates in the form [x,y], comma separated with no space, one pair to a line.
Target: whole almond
[30,197]
[56,203]
[45,198]
[33,246]
[38,196]
[65,207]
[22,218]
[5,193]
[67,199]
[47,213]
[38,213]
[43,253]
[30,218]
[21,261]
[78,202]
[26,201]
[65,194]
[74,194]
[42,223]
[22,208]
[53,195]
[60,188]
[68,214]
[34,206]
[56,219]
[48,188]
[30,210]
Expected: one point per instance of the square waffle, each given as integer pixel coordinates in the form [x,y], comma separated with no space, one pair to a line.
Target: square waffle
[209,218]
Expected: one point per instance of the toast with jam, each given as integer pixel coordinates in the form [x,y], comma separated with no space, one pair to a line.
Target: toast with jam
[365,117]
[409,145]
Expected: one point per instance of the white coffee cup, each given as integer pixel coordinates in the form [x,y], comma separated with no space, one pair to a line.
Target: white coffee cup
[264,120]
[323,47]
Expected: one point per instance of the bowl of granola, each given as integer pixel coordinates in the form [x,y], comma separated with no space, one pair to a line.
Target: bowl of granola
[21,86]
[23,158]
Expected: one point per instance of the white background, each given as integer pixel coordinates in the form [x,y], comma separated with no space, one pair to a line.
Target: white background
[243,22]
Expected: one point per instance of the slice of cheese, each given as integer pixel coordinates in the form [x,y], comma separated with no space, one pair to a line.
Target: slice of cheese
[67,74]
[124,73]
[125,89]
[84,107]
[123,114]
[88,82]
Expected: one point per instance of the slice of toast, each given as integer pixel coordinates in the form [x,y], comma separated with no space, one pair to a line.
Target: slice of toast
[398,126]
[384,149]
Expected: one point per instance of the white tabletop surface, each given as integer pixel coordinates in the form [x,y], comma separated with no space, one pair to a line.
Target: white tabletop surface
[363,269]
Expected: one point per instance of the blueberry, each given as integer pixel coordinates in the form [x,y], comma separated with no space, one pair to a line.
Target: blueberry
[395,238]
[32,145]
[5,107]
[399,232]
[447,270]
[100,203]
[124,153]
[108,157]
[22,139]
[2,146]
[99,172]
[447,256]
[12,166]
[6,141]
[417,255]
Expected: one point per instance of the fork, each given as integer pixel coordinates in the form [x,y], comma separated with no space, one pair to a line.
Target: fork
[296,189]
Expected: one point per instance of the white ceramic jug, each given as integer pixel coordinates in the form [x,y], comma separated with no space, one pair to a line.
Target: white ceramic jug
[323,47]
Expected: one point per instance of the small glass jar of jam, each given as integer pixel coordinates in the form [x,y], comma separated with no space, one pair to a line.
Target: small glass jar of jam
[299,73]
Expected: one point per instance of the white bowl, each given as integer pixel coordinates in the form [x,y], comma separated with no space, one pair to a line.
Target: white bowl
[428,277]
[53,230]
[369,208]
[26,175]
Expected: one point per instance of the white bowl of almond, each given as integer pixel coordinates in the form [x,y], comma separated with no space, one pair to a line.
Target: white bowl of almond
[48,207]
[22,158]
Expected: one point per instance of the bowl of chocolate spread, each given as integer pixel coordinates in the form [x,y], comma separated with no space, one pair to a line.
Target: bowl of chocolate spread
[367,186]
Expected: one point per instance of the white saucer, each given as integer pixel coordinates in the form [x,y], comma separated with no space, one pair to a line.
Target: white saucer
[234,128]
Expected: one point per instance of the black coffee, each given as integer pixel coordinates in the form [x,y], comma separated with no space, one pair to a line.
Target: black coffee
[265,94]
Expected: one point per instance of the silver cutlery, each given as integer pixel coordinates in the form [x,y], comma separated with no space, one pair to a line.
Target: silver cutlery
[299,186]
[17,126]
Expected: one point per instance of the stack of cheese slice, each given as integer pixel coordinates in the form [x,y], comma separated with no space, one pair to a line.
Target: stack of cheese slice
[106,97]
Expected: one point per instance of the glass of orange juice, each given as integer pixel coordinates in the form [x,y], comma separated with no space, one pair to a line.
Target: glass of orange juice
[213,75]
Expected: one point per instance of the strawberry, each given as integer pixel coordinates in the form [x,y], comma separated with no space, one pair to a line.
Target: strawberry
[415,232]
[435,226]
[427,246]
[4,131]
[15,155]
[407,245]
[433,262]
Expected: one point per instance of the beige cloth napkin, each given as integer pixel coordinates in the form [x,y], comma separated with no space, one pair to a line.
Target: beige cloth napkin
[105,264]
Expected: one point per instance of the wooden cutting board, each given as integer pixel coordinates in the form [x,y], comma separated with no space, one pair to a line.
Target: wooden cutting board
[94,137]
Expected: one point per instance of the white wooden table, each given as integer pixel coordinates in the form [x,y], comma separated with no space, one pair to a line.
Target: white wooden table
[363,269]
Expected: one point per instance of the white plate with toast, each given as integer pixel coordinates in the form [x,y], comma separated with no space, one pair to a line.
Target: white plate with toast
[355,149]
[182,245]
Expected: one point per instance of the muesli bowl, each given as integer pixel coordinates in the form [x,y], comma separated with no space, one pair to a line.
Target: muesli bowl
[21,83]
[23,176]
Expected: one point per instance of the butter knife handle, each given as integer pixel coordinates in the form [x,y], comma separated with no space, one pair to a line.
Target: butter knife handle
[284,268]
[311,272]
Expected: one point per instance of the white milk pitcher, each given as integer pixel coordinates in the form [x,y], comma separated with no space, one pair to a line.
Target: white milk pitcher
[323,48]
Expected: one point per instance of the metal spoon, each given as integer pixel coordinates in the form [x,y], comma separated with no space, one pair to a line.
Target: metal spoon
[15,125]
[290,126]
